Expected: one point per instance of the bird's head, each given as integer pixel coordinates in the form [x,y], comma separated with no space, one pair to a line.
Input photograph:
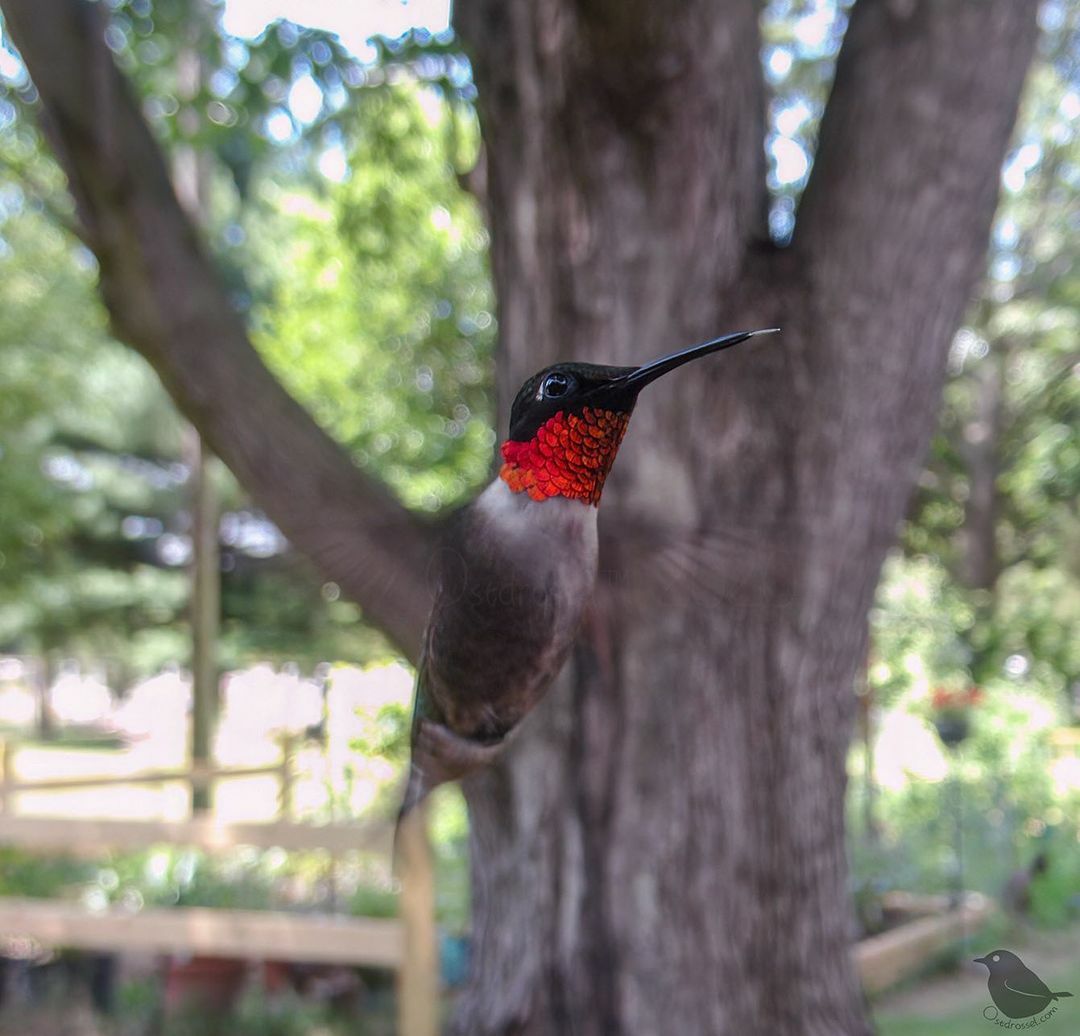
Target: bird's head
[999,960]
[568,420]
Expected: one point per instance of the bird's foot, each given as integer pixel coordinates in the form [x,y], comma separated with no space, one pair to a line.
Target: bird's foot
[438,756]
[451,756]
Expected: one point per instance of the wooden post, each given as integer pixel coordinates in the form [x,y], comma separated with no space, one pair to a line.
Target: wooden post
[205,613]
[5,775]
[288,742]
[44,673]
[418,977]
[191,177]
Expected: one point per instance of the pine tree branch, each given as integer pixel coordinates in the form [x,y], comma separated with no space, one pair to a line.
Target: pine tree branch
[165,299]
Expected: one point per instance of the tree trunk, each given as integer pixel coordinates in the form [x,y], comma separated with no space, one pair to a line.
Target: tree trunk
[664,851]
[980,448]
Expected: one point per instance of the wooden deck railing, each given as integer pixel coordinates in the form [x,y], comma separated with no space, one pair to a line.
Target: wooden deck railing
[195,776]
[268,935]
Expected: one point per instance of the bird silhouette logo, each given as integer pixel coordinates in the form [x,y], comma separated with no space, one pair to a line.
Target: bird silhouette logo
[1016,990]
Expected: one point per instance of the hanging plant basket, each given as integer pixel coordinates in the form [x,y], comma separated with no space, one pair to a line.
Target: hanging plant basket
[950,713]
[952,728]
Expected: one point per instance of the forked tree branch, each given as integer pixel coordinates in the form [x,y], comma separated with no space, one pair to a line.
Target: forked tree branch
[925,91]
[165,299]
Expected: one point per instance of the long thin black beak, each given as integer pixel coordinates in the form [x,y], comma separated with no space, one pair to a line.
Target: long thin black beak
[651,371]
[978,960]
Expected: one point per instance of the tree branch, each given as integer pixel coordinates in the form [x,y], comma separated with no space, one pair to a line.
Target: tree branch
[891,238]
[165,299]
[926,93]
[598,116]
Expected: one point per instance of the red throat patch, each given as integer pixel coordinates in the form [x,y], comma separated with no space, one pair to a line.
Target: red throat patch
[570,456]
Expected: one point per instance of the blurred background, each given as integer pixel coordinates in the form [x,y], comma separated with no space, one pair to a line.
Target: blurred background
[327,161]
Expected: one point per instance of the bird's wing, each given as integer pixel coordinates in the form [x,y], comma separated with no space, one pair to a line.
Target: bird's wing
[437,753]
[1027,983]
[420,780]
[423,705]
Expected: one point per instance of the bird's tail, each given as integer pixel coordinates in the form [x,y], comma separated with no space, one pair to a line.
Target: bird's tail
[417,788]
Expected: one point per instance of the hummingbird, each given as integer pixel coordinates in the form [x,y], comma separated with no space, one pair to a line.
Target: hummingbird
[518,564]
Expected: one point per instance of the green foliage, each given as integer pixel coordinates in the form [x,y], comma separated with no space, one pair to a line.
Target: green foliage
[1000,780]
[968,1021]
[450,837]
[367,292]
[917,622]
[1055,895]
[84,415]
[380,318]
[377,314]
[27,874]
[386,736]
[1012,401]
[48,322]
[285,1015]
[992,597]
[227,96]
[243,881]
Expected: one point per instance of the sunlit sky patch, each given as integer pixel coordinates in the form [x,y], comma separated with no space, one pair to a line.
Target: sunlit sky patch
[354,21]
[1019,164]
[812,30]
[791,163]
[779,62]
[334,164]
[10,66]
[305,99]
[791,118]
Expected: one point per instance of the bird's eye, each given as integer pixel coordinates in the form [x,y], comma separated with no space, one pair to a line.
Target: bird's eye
[556,384]
[995,957]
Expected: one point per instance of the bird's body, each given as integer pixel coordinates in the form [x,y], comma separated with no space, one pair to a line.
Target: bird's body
[508,602]
[1015,989]
[517,566]
[513,578]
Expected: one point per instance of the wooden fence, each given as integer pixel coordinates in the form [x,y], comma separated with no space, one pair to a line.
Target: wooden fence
[256,935]
[195,776]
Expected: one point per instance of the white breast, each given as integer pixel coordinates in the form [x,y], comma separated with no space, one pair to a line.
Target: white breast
[555,534]
[517,514]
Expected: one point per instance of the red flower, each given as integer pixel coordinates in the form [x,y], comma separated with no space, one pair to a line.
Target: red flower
[945,700]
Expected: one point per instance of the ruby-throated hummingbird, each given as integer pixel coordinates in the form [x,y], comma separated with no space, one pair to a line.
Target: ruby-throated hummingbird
[518,565]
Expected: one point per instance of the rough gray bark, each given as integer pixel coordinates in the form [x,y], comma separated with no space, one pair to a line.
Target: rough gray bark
[980,447]
[663,851]
[165,299]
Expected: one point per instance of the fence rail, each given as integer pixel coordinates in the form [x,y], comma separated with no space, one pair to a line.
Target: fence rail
[266,935]
[886,959]
[246,934]
[80,835]
[195,775]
